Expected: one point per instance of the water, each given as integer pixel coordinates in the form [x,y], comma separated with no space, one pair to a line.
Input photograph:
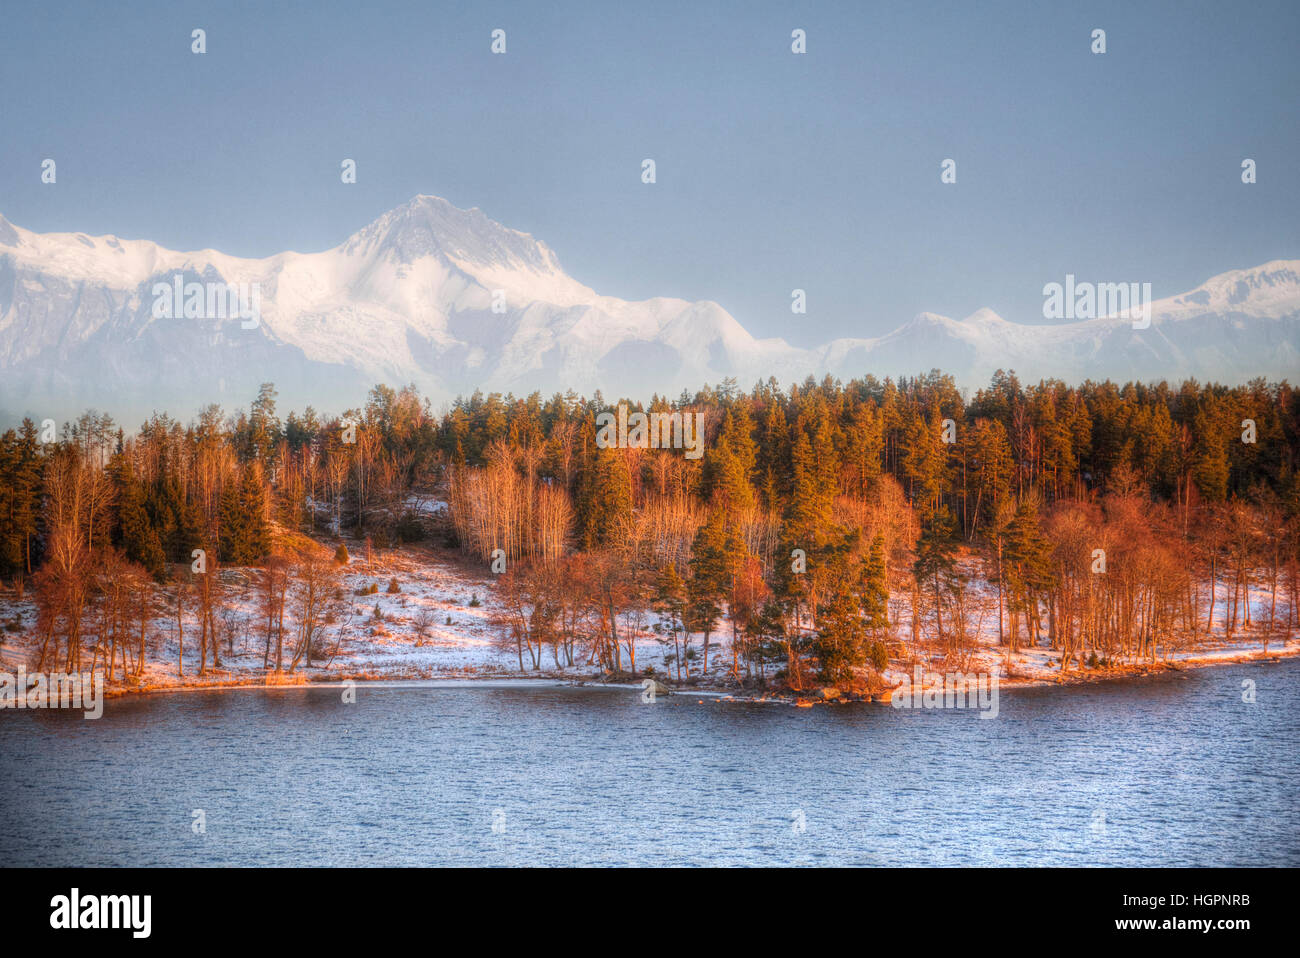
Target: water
[1174,770]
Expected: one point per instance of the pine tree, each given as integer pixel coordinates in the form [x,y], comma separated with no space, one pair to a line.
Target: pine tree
[254,504]
[1211,430]
[710,570]
[231,524]
[136,533]
[808,514]
[1027,564]
[990,468]
[263,425]
[935,560]
[11,538]
[774,455]
[924,458]
[874,596]
[24,505]
[841,643]
[728,481]
[670,599]
[605,507]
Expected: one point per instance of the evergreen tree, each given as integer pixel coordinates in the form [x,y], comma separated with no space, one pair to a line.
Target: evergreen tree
[711,567]
[1027,563]
[670,599]
[874,596]
[774,455]
[136,534]
[1211,429]
[232,524]
[841,639]
[808,513]
[255,506]
[263,431]
[19,499]
[605,509]
[935,562]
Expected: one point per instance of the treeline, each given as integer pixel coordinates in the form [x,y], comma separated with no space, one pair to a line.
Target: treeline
[1108,521]
[94,520]
[824,526]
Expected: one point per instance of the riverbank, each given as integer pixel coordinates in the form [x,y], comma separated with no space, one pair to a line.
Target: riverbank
[419,614]
[223,680]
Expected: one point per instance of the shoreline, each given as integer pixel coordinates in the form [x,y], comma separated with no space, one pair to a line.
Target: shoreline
[1286,650]
[1200,659]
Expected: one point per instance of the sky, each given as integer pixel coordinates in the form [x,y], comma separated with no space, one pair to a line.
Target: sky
[775,171]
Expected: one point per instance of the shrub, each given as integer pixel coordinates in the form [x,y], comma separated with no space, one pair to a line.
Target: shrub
[393,587]
[341,554]
[474,603]
[409,528]
[878,656]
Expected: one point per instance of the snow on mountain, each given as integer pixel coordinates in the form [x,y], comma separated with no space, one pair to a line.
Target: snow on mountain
[1235,327]
[452,301]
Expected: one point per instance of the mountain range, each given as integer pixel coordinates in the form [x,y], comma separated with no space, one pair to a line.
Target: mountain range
[452,301]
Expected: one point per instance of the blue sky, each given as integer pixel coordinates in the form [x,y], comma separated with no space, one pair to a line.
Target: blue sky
[775,171]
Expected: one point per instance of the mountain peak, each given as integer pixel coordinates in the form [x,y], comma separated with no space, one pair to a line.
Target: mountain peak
[984,317]
[415,296]
[1269,289]
[428,225]
[927,320]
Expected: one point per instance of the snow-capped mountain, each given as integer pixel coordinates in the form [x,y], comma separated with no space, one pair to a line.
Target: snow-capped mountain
[1234,327]
[452,301]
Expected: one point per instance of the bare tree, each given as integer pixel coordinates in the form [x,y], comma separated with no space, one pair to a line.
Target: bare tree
[315,580]
[273,586]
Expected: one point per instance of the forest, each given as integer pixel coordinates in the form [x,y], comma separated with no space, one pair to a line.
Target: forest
[827,529]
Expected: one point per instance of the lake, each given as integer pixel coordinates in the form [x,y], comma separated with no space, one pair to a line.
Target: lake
[1168,770]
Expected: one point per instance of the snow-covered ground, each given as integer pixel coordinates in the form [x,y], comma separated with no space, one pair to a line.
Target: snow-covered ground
[379,635]
[373,635]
